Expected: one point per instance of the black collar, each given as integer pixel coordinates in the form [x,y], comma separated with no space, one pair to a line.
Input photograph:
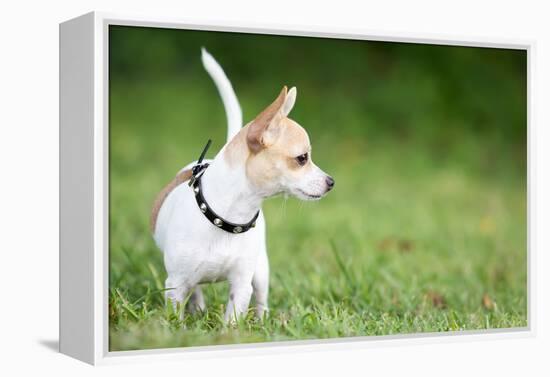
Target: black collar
[218,221]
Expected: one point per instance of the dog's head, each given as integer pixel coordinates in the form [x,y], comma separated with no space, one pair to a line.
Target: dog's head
[279,153]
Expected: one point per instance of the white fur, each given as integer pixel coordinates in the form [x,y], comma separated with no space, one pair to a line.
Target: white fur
[229,99]
[196,252]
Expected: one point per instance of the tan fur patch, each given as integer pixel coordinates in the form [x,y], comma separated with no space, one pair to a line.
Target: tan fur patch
[237,149]
[179,179]
[258,126]
[294,139]
[264,167]
[271,138]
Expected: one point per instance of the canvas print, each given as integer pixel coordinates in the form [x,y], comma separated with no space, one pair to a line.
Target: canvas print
[268,188]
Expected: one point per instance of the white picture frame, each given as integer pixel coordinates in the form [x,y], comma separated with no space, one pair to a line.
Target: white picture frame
[84,192]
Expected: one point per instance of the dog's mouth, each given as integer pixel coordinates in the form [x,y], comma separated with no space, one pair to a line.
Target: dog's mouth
[310,196]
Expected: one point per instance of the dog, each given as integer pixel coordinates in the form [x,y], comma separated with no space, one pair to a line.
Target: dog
[208,220]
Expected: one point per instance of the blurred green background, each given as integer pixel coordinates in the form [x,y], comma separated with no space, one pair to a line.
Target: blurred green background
[425,230]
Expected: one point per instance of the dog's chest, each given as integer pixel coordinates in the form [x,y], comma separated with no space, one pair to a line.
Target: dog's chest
[220,256]
[214,258]
[194,247]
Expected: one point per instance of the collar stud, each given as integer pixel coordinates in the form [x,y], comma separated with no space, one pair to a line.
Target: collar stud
[215,219]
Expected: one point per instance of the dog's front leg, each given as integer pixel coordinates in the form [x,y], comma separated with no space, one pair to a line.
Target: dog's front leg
[260,284]
[240,290]
[196,301]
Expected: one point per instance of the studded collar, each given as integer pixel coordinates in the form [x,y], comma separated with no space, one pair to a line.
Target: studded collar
[207,211]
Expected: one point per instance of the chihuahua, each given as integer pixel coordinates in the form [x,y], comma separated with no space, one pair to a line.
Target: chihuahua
[208,220]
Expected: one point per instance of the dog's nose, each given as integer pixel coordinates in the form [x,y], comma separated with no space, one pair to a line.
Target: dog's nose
[330,182]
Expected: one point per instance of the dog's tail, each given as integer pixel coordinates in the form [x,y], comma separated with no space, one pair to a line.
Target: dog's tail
[229,99]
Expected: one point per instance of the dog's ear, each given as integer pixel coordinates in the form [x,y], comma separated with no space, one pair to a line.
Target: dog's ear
[290,100]
[263,130]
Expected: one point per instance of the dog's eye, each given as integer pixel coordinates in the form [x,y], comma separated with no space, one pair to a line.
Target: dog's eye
[302,159]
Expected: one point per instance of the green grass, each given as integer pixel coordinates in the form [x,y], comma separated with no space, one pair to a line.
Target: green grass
[399,233]
[427,218]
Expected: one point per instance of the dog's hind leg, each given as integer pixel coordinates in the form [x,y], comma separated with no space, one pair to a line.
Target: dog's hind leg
[176,293]
[260,284]
[196,302]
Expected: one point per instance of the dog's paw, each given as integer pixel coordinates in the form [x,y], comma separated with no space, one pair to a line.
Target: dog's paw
[262,313]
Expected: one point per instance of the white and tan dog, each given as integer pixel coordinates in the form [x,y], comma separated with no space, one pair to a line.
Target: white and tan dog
[269,156]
